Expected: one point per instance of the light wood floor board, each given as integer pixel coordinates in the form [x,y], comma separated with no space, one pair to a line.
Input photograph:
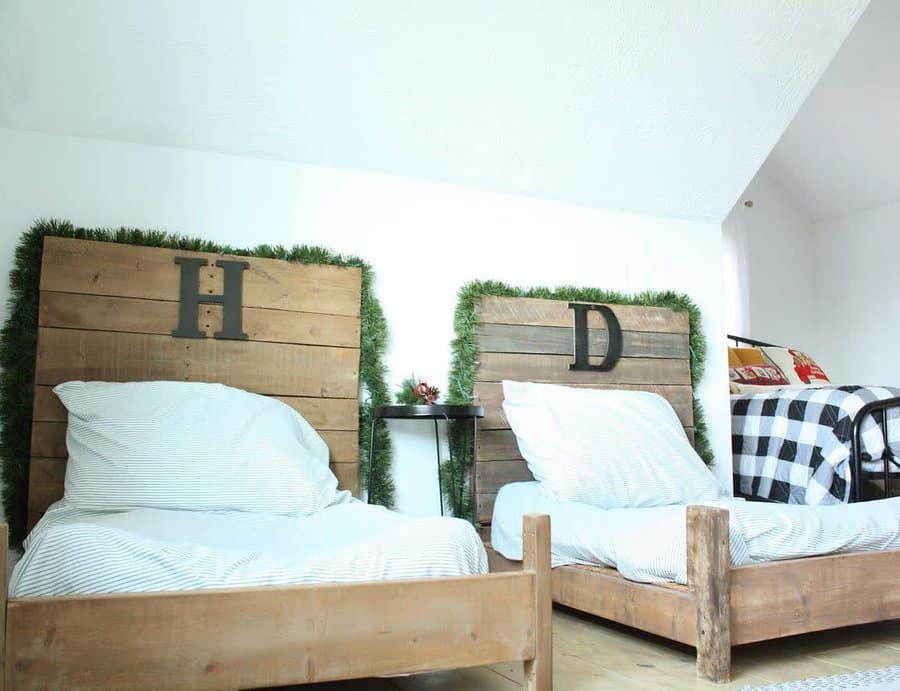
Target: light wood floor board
[590,655]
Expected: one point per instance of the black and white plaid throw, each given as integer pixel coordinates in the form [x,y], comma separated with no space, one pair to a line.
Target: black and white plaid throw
[794,445]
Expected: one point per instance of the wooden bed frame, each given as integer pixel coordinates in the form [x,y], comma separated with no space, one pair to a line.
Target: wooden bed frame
[107,312]
[722,606]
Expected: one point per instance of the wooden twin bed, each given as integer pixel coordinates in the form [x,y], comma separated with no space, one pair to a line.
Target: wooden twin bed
[107,312]
[722,606]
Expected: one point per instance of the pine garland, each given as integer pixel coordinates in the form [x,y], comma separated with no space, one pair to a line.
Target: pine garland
[465,364]
[18,346]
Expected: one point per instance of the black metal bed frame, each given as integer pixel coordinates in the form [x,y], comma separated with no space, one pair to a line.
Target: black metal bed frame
[857,456]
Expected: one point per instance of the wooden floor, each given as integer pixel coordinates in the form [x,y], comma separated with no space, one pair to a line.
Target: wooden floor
[590,654]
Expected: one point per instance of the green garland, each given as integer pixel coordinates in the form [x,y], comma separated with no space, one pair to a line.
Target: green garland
[18,344]
[465,363]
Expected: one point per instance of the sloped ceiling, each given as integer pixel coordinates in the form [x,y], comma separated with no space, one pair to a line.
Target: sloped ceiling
[665,108]
[842,151]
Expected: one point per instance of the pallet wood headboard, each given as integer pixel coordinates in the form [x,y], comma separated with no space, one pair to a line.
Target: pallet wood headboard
[107,312]
[528,339]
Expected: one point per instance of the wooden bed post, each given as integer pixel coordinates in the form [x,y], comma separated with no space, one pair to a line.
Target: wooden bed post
[536,548]
[709,577]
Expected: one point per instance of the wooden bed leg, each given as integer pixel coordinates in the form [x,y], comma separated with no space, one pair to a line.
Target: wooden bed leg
[709,576]
[4,558]
[536,548]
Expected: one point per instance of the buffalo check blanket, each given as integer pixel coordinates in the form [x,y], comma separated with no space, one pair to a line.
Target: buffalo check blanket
[794,446]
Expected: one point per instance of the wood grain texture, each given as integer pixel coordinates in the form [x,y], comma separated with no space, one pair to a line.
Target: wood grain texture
[269,636]
[133,315]
[783,598]
[40,496]
[490,395]
[484,506]
[498,563]
[604,592]
[557,340]
[490,477]
[536,553]
[709,577]
[150,273]
[266,368]
[540,312]
[496,367]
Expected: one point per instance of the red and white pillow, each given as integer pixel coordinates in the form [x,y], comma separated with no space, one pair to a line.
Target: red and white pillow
[797,366]
[756,370]
[759,375]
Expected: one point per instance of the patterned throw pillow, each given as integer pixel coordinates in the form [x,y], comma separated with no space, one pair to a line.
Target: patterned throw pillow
[766,375]
[797,366]
[749,356]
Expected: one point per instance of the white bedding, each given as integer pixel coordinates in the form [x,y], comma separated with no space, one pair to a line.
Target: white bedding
[649,544]
[75,551]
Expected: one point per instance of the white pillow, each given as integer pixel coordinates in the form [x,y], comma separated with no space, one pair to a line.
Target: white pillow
[183,445]
[611,449]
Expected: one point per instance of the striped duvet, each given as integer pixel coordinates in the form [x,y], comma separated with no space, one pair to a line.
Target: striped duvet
[74,551]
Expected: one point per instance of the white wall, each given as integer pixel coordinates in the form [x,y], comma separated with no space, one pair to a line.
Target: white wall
[827,287]
[857,296]
[656,107]
[424,239]
[779,264]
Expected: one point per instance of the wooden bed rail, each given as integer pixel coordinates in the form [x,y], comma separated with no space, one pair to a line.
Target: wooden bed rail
[272,636]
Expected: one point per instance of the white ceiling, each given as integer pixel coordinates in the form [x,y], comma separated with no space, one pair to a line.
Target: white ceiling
[665,108]
[842,151]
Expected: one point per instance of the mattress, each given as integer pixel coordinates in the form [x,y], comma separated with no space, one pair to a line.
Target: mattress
[649,544]
[73,551]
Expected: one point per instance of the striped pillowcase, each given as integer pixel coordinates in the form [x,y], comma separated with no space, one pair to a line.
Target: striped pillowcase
[184,445]
[608,448]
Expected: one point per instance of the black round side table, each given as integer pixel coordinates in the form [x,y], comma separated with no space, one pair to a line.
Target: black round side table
[433,412]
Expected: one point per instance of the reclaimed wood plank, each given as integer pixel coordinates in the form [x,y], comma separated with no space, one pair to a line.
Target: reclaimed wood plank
[133,315]
[709,577]
[554,369]
[605,593]
[265,368]
[108,268]
[559,340]
[484,507]
[270,636]
[490,477]
[783,598]
[536,558]
[541,312]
